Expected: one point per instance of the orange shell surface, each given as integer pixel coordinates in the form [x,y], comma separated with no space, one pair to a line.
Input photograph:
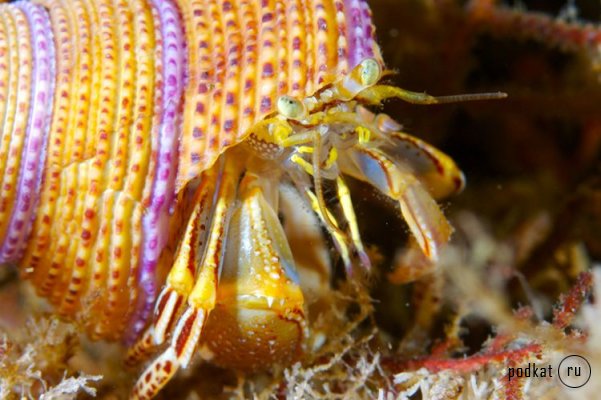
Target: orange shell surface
[145,94]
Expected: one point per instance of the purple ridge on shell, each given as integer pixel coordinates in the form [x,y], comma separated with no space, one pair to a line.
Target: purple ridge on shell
[155,222]
[38,124]
[360,33]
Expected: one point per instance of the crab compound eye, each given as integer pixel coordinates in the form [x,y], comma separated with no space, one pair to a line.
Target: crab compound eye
[370,71]
[289,107]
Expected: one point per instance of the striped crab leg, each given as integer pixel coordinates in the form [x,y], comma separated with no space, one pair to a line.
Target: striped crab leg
[183,273]
[192,280]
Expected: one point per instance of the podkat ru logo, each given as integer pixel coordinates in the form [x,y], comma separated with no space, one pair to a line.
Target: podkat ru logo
[573,371]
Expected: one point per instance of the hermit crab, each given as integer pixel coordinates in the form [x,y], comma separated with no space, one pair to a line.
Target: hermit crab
[149,148]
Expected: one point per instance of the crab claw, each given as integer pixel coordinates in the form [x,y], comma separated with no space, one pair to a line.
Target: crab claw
[259,318]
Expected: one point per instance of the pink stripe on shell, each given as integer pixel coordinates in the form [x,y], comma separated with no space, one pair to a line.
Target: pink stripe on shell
[360,35]
[155,221]
[34,153]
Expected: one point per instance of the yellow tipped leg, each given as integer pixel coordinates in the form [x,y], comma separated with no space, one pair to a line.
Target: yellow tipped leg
[344,195]
[317,184]
[181,276]
[318,205]
[201,297]
[435,170]
[339,240]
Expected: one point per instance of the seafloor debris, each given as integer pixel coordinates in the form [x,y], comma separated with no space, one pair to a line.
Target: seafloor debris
[34,362]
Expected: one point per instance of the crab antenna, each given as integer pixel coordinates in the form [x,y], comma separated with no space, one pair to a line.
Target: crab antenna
[457,98]
[423,98]
[378,93]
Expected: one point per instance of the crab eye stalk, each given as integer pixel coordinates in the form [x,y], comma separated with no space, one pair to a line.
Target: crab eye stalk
[290,108]
[363,76]
[370,72]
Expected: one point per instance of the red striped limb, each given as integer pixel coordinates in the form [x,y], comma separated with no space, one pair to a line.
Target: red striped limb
[186,281]
[396,180]
[407,170]
[181,276]
[178,354]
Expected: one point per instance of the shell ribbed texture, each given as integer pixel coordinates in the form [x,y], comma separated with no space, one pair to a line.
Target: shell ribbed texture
[109,107]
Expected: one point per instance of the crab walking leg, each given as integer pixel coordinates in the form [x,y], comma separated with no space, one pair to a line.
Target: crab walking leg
[308,244]
[344,195]
[201,297]
[330,222]
[178,354]
[339,241]
[181,276]
[317,182]
[437,171]
[426,222]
